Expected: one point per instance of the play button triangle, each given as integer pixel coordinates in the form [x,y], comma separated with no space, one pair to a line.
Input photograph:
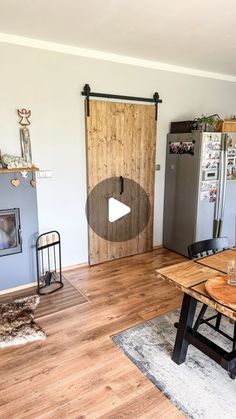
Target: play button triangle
[116,210]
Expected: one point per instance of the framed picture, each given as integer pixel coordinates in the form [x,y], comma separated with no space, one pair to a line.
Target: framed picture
[179,147]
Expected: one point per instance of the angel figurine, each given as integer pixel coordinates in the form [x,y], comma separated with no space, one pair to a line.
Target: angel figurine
[24,115]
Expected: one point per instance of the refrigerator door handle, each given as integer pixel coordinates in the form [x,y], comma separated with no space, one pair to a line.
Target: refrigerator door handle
[218,203]
[216,213]
[223,190]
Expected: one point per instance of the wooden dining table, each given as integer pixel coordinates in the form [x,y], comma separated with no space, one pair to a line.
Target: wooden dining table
[190,277]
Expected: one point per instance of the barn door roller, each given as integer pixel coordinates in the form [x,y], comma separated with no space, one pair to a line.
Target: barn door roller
[87,92]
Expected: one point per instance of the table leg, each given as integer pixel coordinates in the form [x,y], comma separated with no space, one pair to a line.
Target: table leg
[186,321]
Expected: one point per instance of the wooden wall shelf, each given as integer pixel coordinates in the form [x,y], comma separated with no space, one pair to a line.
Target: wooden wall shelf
[20,169]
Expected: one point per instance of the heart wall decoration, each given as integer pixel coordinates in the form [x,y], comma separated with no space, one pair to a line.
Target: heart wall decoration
[15,182]
[33,180]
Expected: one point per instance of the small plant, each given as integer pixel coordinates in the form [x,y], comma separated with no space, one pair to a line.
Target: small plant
[207,123]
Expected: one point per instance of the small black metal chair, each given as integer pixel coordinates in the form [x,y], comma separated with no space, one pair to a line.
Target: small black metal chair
[201,249]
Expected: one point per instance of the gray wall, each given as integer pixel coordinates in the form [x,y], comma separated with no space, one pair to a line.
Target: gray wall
[20,268]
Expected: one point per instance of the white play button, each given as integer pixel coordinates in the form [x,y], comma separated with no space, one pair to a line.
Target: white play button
[116,210]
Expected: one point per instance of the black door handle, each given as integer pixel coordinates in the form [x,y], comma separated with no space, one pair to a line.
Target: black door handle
[121,185]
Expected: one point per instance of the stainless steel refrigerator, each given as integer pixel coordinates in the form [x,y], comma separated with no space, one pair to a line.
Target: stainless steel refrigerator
[200,189]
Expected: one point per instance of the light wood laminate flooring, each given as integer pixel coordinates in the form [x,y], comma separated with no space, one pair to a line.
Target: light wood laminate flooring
[78,372]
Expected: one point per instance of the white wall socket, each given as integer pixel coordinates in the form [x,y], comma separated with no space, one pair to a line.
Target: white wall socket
[44,174]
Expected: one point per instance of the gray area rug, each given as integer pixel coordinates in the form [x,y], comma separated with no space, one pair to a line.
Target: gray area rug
[199,388]
[17,325]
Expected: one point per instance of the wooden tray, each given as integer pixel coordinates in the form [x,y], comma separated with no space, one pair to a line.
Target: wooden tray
[221,291]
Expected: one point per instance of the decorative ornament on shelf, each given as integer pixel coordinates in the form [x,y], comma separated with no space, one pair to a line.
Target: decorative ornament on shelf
[33,180]
[24,115]
[24,174]
[15,182]
[20,164]
[25,134]
[14,162]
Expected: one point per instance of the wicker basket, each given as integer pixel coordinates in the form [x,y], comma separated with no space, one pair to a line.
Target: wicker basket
[227,125]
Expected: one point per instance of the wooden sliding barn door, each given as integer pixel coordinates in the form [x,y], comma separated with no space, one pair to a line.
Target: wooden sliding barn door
[121,141]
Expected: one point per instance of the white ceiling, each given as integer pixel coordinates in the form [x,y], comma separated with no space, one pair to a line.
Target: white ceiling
[199,34]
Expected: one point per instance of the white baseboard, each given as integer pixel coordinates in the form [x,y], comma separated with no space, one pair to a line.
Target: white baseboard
[20,287]
[33,284]
[64,269]
[78,265]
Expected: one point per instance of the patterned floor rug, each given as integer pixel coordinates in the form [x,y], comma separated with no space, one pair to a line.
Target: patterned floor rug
[17,325]
[199,388]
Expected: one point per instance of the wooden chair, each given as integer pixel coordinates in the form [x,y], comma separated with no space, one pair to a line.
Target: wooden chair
[206,248]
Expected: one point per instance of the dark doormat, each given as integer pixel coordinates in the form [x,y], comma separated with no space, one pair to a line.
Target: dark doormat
[66,297]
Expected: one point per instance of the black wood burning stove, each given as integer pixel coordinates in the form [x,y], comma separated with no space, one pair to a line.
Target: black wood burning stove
[10,232]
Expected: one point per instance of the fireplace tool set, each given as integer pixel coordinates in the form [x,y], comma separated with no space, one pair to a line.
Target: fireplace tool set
[48,258]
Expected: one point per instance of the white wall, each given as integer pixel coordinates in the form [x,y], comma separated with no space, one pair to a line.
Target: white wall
[49,83]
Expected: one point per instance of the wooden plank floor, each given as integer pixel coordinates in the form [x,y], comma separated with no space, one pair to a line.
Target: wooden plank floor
[78,372]
[67,297]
